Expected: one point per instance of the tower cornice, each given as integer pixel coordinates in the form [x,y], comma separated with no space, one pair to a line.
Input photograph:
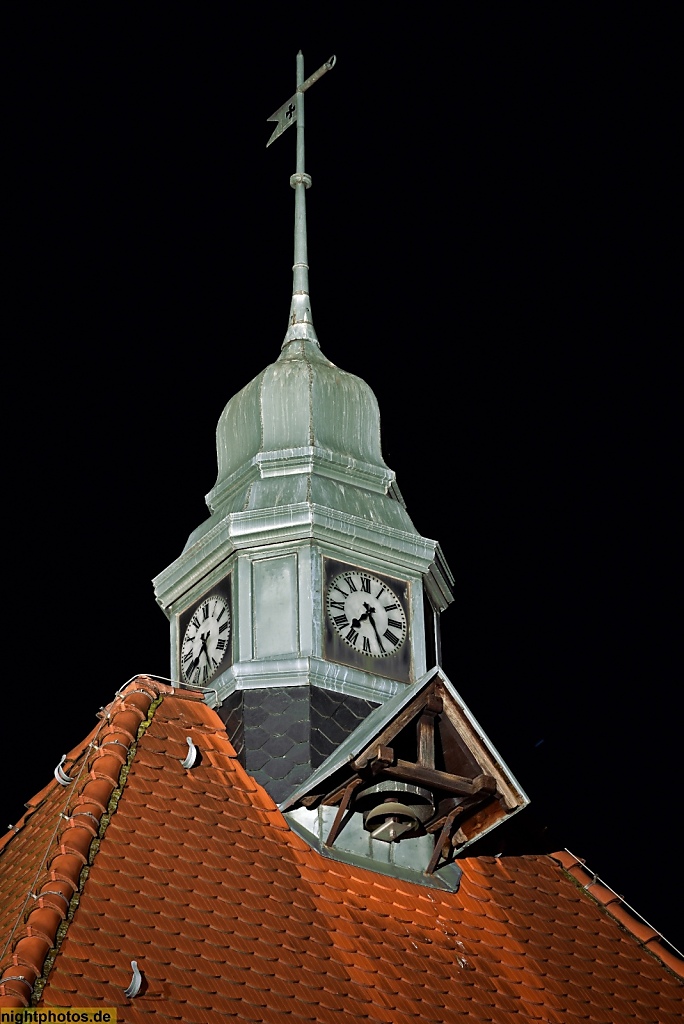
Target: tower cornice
[285,524]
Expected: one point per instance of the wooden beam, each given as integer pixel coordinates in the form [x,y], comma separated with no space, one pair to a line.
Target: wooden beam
[426,699]
[434,779]
[434,704]
[335,795]
[426,739]
[463,807]
[377,756]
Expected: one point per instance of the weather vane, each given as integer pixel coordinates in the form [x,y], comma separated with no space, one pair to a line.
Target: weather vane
[301,324]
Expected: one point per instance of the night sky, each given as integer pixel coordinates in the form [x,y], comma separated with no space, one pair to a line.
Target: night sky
[490,250]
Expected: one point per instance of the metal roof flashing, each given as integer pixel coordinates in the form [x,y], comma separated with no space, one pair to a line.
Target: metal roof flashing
[447,877]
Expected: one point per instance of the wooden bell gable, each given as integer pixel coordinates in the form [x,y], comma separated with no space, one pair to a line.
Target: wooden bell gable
[426,740]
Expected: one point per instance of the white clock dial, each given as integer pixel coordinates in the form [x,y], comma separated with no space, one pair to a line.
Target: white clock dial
[367,614]
[206,640]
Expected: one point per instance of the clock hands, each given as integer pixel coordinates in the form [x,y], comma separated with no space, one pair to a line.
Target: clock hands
[204,638]
[368,614]
[194,664]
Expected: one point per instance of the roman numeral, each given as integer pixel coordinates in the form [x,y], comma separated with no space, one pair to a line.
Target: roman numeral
[214,663]
[223,612]
[343,592]
[341,621]
[352,636]
[187,656]
[394,640]
[379,594]
[220,645]
[195,622]
[395,624]
[365,585]
[366,645]
[205,674]
[205,612]
[337,604]
[224,627]
[350,583]
[390,607]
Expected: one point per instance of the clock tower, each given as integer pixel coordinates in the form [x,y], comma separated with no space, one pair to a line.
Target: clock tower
[308,589]
[306,609]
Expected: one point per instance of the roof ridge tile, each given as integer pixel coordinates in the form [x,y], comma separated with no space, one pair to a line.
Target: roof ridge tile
[617,907]
[31,940]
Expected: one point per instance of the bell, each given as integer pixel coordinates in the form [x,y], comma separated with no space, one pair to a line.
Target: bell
[392,810]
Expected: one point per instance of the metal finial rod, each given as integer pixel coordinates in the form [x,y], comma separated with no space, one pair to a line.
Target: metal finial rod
[300,113]
[301,326]
[301,321]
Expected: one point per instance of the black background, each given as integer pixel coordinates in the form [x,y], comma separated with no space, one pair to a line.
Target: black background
[491,248]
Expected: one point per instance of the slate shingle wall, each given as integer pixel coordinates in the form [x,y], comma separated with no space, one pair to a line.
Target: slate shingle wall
[281,734]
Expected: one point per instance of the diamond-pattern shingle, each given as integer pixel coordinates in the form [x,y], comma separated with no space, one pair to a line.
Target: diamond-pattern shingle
[198,878]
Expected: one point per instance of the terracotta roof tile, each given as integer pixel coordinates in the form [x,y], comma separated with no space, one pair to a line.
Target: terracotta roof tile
[199,878]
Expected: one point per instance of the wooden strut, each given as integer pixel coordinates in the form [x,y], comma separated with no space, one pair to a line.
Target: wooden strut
[446,829]
[341,811]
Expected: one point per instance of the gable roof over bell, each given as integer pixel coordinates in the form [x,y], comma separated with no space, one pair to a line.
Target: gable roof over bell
[425,737]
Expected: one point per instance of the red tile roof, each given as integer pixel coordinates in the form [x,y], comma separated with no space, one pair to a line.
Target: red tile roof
[198,878]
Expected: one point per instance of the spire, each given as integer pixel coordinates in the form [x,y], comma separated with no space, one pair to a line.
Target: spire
[300,327]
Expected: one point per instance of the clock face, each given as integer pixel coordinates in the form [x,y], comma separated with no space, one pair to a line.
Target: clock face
[206,639]
[366,613]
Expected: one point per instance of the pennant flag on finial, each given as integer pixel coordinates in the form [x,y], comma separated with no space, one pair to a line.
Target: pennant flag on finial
[287,114]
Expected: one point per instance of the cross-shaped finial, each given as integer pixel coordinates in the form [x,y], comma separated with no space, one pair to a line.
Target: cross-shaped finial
[301,326]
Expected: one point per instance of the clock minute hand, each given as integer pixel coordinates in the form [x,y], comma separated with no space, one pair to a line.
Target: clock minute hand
[369,613]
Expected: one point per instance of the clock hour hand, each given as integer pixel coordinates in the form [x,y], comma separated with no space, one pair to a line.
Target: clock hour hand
[368,614]
[369,611]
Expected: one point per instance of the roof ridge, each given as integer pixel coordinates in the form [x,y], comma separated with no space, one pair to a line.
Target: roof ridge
[618,908]
[58,882]
[39,798]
